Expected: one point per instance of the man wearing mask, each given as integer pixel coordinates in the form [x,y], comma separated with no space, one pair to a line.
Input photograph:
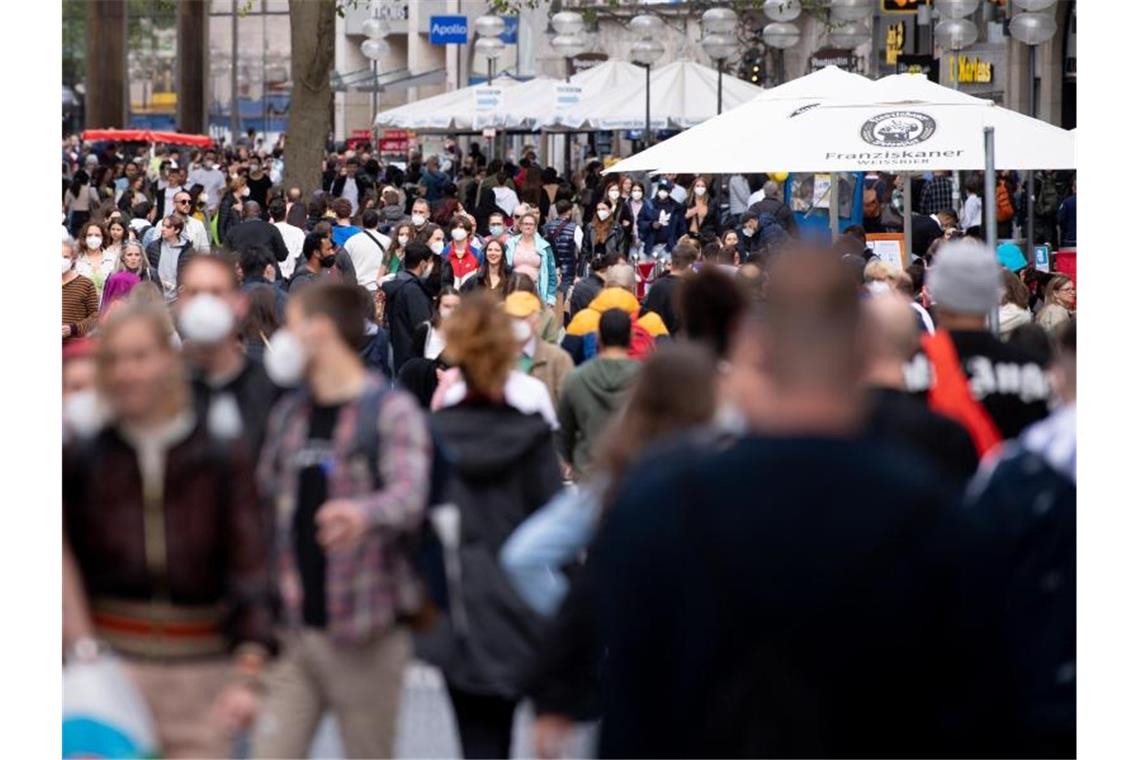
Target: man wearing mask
[351,183]
[661,222]
[210,176]
[258,182]
[408,301]
[318,256]
[231,390]
[421,212]
[345,472]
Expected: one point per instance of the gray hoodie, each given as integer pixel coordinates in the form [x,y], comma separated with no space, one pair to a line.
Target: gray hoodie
[590,396]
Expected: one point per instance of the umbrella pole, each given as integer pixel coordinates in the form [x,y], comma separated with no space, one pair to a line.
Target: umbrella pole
[991,210]
[833,206]
[907,211]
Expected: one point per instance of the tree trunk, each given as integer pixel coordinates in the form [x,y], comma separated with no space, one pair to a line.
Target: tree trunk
[312,26]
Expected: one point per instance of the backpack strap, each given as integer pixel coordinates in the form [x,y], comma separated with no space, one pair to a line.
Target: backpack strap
[366,443]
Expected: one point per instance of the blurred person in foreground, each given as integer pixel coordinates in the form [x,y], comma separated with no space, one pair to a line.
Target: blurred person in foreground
[167,552]
[994,389]
[1024,502]
[504,469]
[817,621]
[345,474]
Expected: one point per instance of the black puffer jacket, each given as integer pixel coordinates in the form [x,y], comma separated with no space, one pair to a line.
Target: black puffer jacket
[503,469]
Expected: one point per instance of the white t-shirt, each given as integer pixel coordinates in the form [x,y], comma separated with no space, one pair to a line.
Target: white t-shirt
[364,248]
[195,231]
[350,192]
[971,212]
[523,392]
[214,182]
[170,192]
[294,238]
[756,197]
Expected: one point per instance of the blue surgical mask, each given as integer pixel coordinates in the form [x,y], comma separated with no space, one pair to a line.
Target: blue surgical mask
[496,229]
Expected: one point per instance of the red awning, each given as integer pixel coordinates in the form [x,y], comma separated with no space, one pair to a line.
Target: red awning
[146,135]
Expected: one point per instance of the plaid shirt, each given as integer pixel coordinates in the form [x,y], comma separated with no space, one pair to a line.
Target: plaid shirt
[938,195]
[368,586]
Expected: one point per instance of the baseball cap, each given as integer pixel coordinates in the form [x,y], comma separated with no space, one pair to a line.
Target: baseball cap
[1011,257]
[966,277]
[521,304]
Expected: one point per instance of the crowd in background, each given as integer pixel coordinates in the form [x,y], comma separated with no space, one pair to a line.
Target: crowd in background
[635,449]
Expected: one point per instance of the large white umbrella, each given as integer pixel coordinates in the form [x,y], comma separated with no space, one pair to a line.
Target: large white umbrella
[682,94]
[899,123]
[448,111]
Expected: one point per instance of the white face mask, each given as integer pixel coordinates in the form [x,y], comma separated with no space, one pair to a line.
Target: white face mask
[418,220]
[206,320]
[285,359]
[636,195]
[402,239]
[748,231]
[85,413]
[614,194]
[662,194]
[67,264]
[459,234]
[437,247]
[603,214]
[244,192]
[521,330]
[699,190]
[94,242]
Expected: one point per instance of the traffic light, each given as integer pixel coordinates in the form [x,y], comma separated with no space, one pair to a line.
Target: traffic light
[752,66]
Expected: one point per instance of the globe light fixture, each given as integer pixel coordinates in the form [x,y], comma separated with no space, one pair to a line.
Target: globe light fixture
[1033,6]
[489,47]
[1033,28]
[646,52]
[569,45]
[851,10]
[718,46]
[375,28]
[781,35]
[374,48]
[490,26]
[956,33]
[567,22]
[849,35]
[783,10]
[955,8]
[718,21]
[646,26]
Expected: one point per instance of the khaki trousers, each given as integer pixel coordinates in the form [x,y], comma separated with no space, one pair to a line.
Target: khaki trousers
[360,684]
[181,699]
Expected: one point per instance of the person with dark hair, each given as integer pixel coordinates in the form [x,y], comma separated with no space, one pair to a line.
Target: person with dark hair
[351,184]
[427,338]
[375,349]
[661,222]
[253,230]
[972,207]
[342,262]
[346,474]
[461,257]
[587,289]
[1014,310]
[594,391]
[257,272]
[773,204]
[702,217]
[343,228]
[928,228]
[710,305]
[408,302]
[367,249]
[263,317]
[744,603]
[317,257]
[493,274]
[602,234]
[565,237]
[661,297]
[292,235]
[937,195]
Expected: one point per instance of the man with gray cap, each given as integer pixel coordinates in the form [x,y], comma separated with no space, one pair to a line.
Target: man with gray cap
[994,389]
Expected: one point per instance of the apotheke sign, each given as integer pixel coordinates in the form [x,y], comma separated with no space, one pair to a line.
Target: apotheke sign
[448,30]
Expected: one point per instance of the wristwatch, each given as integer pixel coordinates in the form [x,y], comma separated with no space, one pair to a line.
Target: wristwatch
[86,649]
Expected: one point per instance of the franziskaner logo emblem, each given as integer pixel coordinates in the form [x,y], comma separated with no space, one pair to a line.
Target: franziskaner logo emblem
[898,129]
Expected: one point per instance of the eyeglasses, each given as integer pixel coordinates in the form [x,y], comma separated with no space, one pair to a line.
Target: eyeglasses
[183,202]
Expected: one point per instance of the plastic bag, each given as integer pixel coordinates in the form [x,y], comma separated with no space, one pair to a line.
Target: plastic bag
[104,715]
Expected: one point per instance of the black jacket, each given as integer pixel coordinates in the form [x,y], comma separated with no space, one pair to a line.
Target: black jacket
[614,242]
[407,305]
[363,183]
[154,253]
[778,209]
[255,232]
[923,231]
[897,417]
[503,469]
[661,299]
[585,290]
[252,391]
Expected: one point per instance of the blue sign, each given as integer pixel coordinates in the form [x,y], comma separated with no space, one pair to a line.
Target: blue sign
[1041,253]
[448,30]
[510,35]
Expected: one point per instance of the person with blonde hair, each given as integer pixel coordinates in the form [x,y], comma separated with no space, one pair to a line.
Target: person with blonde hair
[168,544]
[504,469]
[1060,304]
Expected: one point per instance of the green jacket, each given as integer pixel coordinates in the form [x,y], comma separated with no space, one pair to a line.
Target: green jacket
[591,395]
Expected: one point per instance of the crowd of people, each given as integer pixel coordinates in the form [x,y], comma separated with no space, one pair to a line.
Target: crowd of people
[618,446]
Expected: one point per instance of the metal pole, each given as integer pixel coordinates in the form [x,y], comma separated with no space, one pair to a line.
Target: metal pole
[991,209]
[264,81]
[235,117]
[719,84]
[1030,221]
[648,141]
[908,211]
[375,101]
[566,146]
[833,206]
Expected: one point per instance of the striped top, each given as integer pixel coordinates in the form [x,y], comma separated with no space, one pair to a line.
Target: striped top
[80,306]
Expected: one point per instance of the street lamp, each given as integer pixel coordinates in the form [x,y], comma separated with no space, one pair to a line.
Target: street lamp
[782,10]
[487,43]
[718,44]
[849,35]
[1034,25]
[851,10]
[645,51]
[781,35]
[374,48]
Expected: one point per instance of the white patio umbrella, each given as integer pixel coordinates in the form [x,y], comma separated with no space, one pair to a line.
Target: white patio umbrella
[682,94]
[448,111]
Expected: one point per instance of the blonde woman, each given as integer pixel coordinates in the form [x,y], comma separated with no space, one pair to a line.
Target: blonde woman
[1060,304]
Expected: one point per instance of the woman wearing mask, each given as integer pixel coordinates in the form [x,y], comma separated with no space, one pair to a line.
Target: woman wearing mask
[528,253]
[498,482]
[169,542]
[701,216]
[78,201]
[394,257]
[432,236]
[427,340]
[603,234]
[622,215]
[493,274]
[1060,304]
[1014,310]
[634,204]
[461,259]
[80,299]
[95,263]
[133,259]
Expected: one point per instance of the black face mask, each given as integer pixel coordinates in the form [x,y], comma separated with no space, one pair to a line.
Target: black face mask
[328,261]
